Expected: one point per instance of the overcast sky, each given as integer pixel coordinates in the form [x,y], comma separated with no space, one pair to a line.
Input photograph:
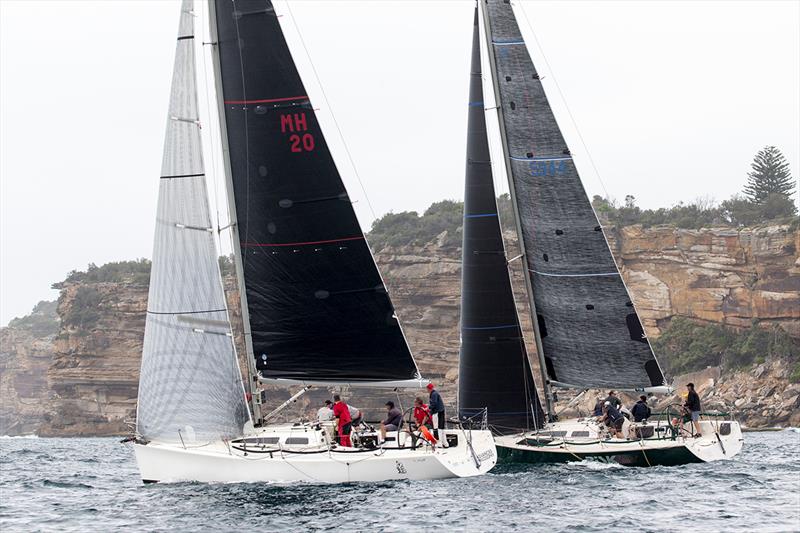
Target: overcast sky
[672,99]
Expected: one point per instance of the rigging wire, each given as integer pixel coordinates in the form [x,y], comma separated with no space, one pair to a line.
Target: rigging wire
[563,100]
[212,143]
[330,110]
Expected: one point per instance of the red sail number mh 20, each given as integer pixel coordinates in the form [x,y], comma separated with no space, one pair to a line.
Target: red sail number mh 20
[295,123]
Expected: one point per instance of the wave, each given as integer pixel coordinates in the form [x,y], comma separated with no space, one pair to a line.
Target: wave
[792,430]
[19,436]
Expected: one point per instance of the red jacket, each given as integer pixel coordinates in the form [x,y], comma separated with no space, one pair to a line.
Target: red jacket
[422,415]
[341,412]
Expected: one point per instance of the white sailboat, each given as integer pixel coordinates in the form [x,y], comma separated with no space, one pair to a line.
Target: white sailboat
[315,309]
[586,330]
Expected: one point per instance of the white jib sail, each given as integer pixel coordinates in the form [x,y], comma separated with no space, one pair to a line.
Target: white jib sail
[190,388]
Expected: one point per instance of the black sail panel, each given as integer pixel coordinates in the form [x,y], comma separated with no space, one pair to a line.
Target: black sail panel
[494,371]
[590,332]
[317,305]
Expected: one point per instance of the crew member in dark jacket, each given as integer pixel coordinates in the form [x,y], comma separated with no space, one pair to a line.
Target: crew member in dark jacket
[693,408]
[436,407]
[640,410]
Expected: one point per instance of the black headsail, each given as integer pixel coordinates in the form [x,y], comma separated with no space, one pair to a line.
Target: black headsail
[494,371]
[590,332]
[318,309]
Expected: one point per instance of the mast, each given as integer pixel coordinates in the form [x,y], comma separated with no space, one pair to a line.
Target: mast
[548,393]
[252,382]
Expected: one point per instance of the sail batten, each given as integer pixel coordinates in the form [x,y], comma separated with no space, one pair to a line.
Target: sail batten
[314,301]
[494,371]
[190,386]
[589,332]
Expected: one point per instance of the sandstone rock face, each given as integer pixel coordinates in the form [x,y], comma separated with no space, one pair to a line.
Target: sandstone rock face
[84,381]
[722,275]
[24,391]
[94,373]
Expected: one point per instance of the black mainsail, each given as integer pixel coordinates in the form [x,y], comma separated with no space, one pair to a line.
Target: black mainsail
[494,371]
[316,308]
[589,330]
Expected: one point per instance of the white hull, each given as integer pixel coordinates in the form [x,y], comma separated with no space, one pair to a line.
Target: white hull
[226,462]
[719,439]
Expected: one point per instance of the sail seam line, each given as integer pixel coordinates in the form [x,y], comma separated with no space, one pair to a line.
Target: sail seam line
[329,241]
[266,100]
[491,327]
[542,158]
[182,176]
[574,275]
[184,312]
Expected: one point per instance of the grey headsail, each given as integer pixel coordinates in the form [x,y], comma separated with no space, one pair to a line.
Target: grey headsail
[190,387]
[494,371]
[317,306]
[589,329]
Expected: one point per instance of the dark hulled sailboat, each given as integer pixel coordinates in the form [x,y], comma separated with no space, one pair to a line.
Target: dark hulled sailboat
[587,332]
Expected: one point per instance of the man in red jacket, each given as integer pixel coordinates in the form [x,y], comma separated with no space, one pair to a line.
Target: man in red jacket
[343,420]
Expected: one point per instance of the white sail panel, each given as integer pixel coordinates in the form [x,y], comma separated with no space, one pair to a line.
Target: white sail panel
[190,387]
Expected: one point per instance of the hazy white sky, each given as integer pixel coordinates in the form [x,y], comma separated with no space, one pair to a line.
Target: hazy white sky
[672,99]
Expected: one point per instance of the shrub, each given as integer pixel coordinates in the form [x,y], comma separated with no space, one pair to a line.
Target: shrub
[137,271]
[41,322]
[687,346]
[84,311]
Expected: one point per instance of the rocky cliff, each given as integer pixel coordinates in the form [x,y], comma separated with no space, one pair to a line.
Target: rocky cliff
[83,381]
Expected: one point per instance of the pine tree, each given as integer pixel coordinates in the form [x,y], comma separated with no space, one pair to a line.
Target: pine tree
[770,175]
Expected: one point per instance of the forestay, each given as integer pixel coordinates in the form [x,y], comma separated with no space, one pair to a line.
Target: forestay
[589,329]
[190,387]
[318,309]
[494,371]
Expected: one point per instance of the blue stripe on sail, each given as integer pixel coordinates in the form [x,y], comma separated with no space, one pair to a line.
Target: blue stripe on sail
[507,42]
[542,158]
[492,327]
[476,104]
[481,215]
[575,275]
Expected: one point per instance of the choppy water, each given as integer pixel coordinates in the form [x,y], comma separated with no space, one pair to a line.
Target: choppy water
[93,485]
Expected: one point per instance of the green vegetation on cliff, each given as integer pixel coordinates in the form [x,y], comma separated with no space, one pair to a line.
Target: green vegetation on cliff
[136,272]
[41,322]
[409,228]
[767,196]
[687,346]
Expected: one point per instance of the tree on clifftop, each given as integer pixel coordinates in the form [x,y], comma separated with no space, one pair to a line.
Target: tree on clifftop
[770,176]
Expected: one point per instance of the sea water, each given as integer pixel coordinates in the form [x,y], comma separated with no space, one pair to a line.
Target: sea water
[93,485]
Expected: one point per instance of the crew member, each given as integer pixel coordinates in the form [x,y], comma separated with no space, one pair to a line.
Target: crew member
[392,421]
[325,413]
[641,411]
[355,415]
[343,420]
[436,407]
[422,414]
[613,419]
[612,397]
[598,407]
[692,406]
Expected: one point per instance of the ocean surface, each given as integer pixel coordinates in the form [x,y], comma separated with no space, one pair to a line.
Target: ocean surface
[93,485]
